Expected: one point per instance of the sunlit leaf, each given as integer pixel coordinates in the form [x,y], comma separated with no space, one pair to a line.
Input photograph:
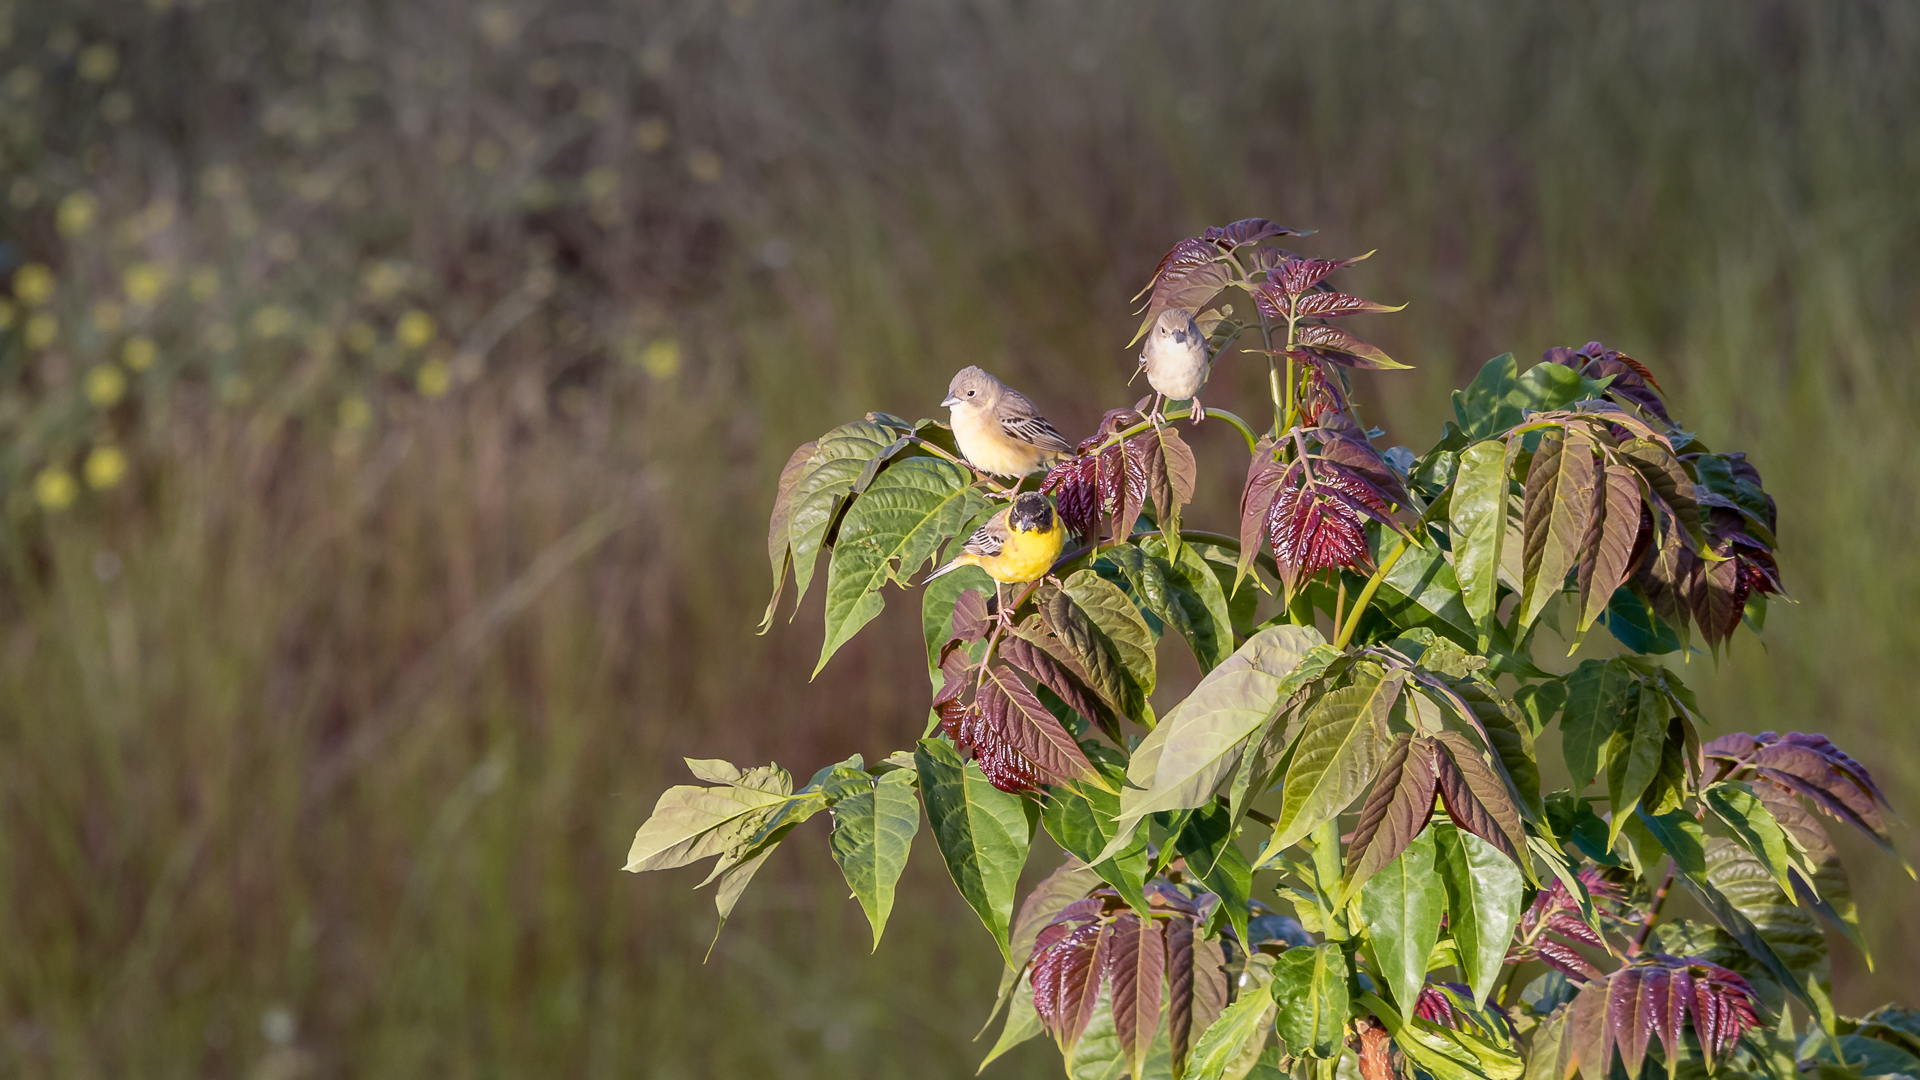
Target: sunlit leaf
[1402,906]
[820,490]
[982,832]
[1338,754]
[1484,889]
[1479,510]
[1559,501]
[1116,626]
[872,833]
[1476,798]
[1309,988]
[1605,551]
[1395,811]
[1136,966]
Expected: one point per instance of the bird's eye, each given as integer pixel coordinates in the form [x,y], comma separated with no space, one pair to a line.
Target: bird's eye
[970,393]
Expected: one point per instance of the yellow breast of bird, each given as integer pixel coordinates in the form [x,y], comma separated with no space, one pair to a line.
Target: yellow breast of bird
[983,442]
[1026,556]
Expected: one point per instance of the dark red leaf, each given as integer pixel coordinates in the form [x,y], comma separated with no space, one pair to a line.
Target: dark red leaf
[1653,994]
[1569,925]
[1344,349]
[1188,276]
[970,616]
[1331,305]
[1349,448]
[1074,485]
[1246,231]
[1434,1006]
[956,671]
[1315,521]
[1296,276]
[1136,962]
[1256,499]
[1065,978]
[1056,670]
[1014,728]
[1196,987]
[1476,798]
[1565,960]
[1396,810]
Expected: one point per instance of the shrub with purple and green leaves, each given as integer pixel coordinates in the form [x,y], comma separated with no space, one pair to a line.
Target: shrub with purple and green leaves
[1336,852]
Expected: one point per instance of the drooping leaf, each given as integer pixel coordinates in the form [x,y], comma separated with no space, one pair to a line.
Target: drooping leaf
[1136,965]
[1793,932]
[1484,889]
[1170,472]
[1654,993]
[1195,747]
[1479,510]
[1069,882]
[692,823]
[1081,820]
[1402,906]
[1345,349]
[1559,501]
[1196,987]
[983,834]
[1476,798]
[872,833]
[1013,717]
[1506,730]
[1395,811]
[779,539]
[1256,503]
[1222,1052]
[1066,974]
[1337,755]
[1748,818]
[1598,693]
[940,609]
[889,532]
[1606,550]
[1331,305]
[1023,1023]
[1637,760]
[1116,624]
[1197,591]
[822,486]
[1309,988]
[1207,844]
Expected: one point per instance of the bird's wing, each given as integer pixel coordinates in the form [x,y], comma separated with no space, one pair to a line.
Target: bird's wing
[1020,420]
[988,539]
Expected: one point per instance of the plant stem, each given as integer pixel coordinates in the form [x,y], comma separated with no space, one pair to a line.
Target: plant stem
[1326,869]
[1366,594]
[1238,424]
[1653,913]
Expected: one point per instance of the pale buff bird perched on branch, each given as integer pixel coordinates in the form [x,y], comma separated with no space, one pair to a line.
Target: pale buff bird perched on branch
[998,430]
[1176,362]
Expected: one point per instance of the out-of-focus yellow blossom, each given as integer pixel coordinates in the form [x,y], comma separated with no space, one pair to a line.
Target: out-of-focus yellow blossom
[355,413]
[42,330]
[651,134]
[98,62]
[361,336]
[383,279]
[76,213]
[661,359]
[106,316]
[600,182]
[415,329]
[7,314]
[54,488]
[144,282]
[434,378]
[272,321]
[203,283]
[221,336]
[139,353]
[105,467]
[23,193]
[105,386]
[497,24]
[33,284]
[704,165]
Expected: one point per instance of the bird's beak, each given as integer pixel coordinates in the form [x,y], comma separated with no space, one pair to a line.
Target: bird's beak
[949,402]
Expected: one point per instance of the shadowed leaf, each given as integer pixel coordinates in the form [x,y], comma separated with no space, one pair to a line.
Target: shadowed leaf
[1013,716]
[1309,988]
[1612,525]
[1476,798]
[1559,501]
[1484,889]
[872,833]
[779,539]
[982,833]
[1402,905]
[1395,811]
[1196,987]
[1136,964]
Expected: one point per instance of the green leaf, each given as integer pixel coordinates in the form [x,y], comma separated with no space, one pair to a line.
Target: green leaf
[1479,512]
[1597,694]
[1337,755]
[1195,747]
[889,533]
[1309,989]
[1638,759]
[1749,819]
[823,483]
[936,610]
[1483,409]
[1110,623]
[1196,589]
[1793,932]
[779,540]
[983,834]
[692,823]
[1217,862]
[1023,1023]
[1081,821]
[1559,503]
[1147,577]
[1402,905]
[1222,1052]
[872,833]
[1484,890]
[1420,592]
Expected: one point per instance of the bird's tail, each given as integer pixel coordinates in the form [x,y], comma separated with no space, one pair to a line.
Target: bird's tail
[954,564]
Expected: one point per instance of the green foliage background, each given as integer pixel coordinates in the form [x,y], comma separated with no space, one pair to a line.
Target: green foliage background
[325,725]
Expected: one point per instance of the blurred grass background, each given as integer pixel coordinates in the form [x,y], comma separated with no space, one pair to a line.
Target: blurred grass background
[392,394]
